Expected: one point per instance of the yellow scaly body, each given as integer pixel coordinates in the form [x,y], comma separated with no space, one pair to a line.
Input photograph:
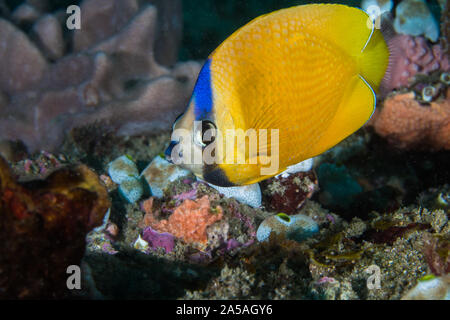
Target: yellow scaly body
[309,71]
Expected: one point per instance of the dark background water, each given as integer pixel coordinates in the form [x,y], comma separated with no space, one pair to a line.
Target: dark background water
[208,22]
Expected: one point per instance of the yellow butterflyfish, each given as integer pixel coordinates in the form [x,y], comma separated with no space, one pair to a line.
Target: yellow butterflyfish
[285,87]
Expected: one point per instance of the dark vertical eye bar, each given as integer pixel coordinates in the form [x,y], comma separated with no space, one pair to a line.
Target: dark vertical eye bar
[169,149]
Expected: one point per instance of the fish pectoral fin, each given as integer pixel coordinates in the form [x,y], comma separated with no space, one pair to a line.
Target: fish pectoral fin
[357,106]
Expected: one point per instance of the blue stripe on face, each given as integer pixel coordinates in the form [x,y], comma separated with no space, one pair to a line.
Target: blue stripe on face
[203,92]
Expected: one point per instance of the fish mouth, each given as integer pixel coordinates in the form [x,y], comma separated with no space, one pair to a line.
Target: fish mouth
[215,175]
[210,173]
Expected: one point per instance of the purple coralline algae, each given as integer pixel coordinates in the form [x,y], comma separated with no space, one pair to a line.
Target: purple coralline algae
[156,239]
[191,195]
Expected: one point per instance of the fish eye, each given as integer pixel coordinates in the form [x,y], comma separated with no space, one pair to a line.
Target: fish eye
[205,134]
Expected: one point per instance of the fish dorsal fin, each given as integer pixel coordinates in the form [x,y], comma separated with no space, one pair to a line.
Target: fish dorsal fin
[348,27]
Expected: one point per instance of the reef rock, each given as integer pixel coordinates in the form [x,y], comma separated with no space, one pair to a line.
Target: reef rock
[249,194]
[296,227]
[112,77]
[22,64]
[50,38]
[376,8]
[288,192]
[412,17]
[43,226]
[122,169]
[159,173]
[436,288]
[101,19]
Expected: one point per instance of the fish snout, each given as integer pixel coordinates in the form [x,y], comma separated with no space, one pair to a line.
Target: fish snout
[168,152]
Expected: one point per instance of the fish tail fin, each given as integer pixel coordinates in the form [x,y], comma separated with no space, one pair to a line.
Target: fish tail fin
[353,31]
[374,60]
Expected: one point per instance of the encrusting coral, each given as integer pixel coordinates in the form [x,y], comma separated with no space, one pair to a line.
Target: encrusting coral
[43,225]
[407,124]
[412,56]
[111,77]
[189,221]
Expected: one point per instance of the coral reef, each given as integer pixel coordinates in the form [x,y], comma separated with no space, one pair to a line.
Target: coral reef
[159,240]
[189,221]
[122,168]
[435,288]
[288,194]
[296,227]
[136,260]
[380,5]
[45,222]
[412,17]
[445,24]
[436,250]
[407,124]
[371,205]
[412,56]
[124,172]
[101,19]
[160,173]
[249,194]
[114,77]
[131,189]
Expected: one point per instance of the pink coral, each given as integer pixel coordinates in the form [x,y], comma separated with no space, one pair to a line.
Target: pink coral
[191,195]
[113,77]
[189,221]
[413,55]
[408,124]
